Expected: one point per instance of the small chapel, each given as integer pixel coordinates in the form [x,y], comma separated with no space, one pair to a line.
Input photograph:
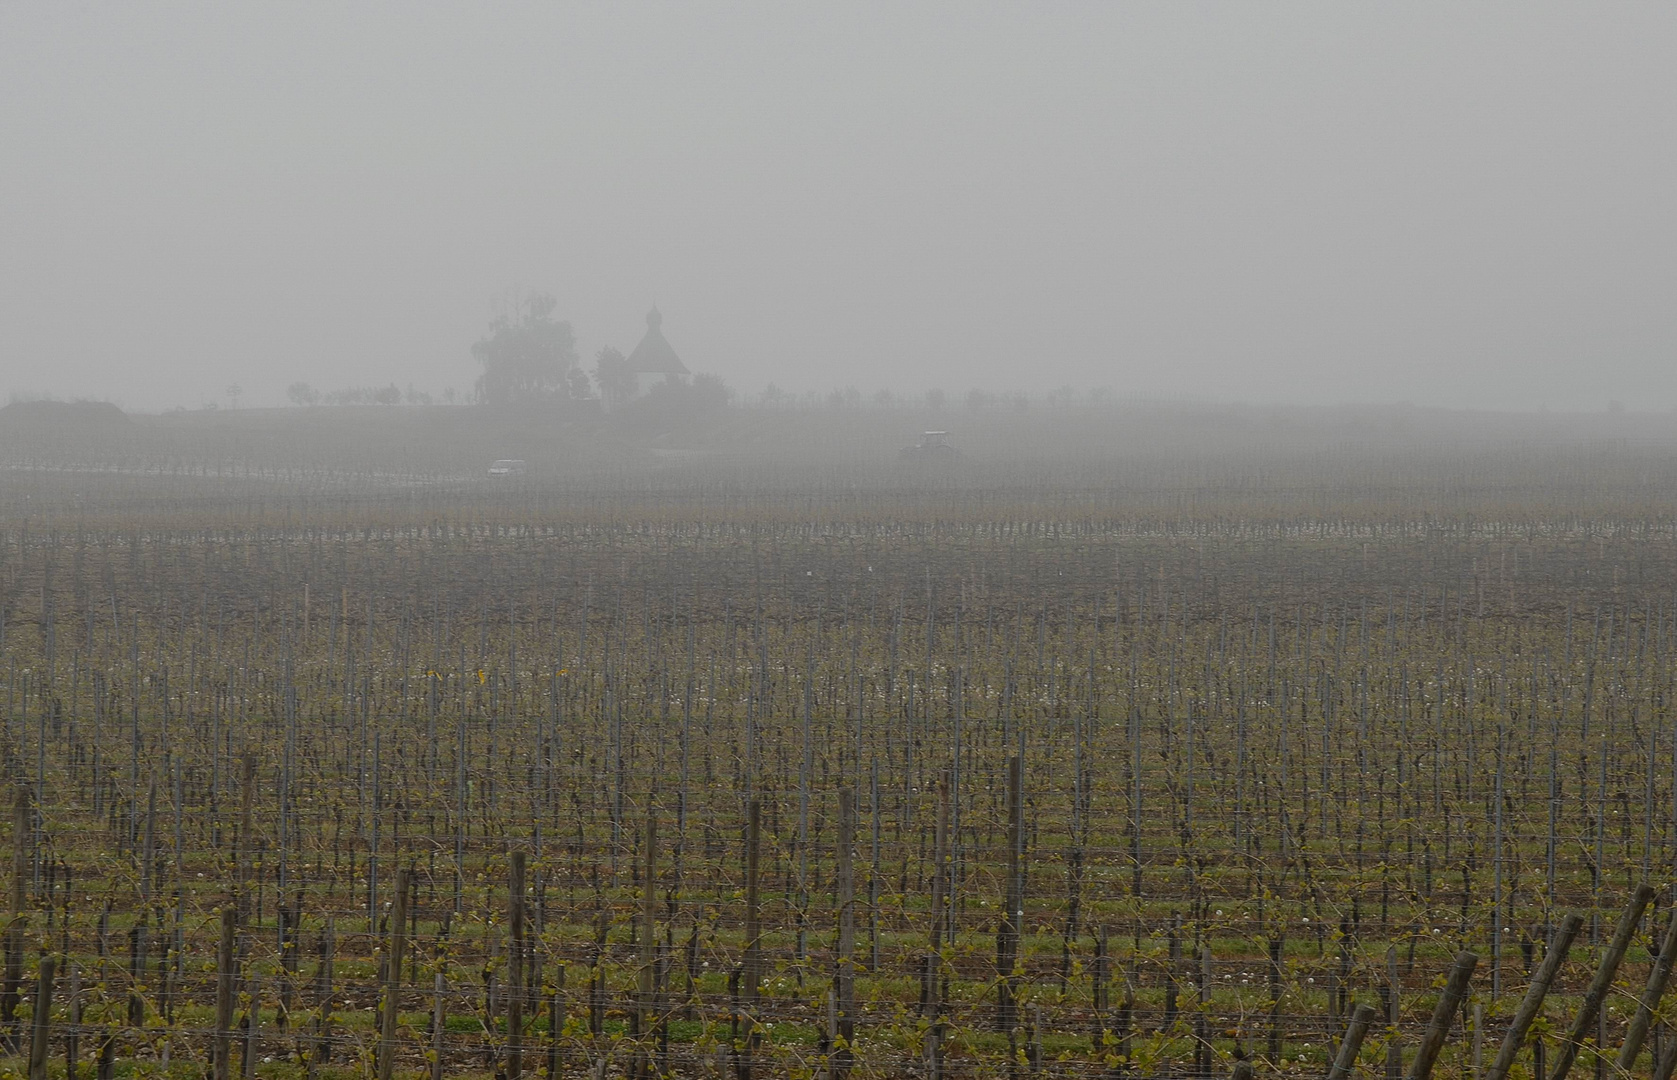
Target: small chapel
[653,360]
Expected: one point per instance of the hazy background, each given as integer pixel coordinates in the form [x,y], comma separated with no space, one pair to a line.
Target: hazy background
[1442,204]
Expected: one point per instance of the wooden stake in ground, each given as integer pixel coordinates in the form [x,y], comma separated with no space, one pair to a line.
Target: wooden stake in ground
[321,1045]
[1567,1052]
[40,1028]
[393,975]
[226,980]
[22,819]
[844,964]
[1202,1004]
[1667,1062]
[252,1019]
[1438,1029]
[1514,1041]
[1478,1039]
[105,1059]
[72,1038]
[439,1024]
[1394,1012]
[1347,1057]
[555,1025]
[515,981]
[241,854]
[1657,979]
[932,992]
[1007,934]
[751,969]
[647,1007]
[1276,944]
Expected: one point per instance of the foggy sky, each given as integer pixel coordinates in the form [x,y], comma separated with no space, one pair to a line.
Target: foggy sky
[1450,204]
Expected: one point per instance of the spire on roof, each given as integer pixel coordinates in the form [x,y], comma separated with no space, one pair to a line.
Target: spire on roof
[653,356]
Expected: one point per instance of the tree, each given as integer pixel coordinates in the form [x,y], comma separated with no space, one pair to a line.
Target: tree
[528,354]
[709,392]
[301,393]
[673,400]
[611,371]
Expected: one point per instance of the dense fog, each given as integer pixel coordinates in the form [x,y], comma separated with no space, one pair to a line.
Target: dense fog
[1296,204]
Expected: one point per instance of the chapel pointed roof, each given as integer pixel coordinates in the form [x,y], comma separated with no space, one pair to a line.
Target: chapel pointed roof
[653,356]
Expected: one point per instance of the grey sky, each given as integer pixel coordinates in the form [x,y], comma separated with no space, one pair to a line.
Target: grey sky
[1450,204]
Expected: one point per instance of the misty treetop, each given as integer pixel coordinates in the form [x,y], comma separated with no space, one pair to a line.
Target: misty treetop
[618,382]
[529,354]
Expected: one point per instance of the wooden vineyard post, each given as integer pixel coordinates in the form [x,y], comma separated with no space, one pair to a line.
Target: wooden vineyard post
[241,853]
[555,1023]
[1126,1018]
[1394,1014]
[830,1033]
[1438,1029]
[290,926]
[40,1027]
[844,964]
[1035,1053]
[439,1024]
[137,970]
[321,1044]
[13,988]
[72,1037]
[104,1060]
[1135,805]
[646,1008]
[515,965]
[1007,935]
[1478,1040]
[1567,1052]
[1667,1062]
[252,1022]
[932,989]
[393,975]
[105,1063]
[139,933]
[1275,947]
[874,868]
[1657,979]
[1514,1041]
[242,904]
[1100,991]
[750,973]
[226,976]
[1353,1042]
[1202,1006]
[1173,971]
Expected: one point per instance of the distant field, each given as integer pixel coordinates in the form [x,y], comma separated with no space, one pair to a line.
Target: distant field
[1303,703]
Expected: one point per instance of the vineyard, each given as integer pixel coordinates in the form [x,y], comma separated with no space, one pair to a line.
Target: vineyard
[340,785]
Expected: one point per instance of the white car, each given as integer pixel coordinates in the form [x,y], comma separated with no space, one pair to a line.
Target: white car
[507,467]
